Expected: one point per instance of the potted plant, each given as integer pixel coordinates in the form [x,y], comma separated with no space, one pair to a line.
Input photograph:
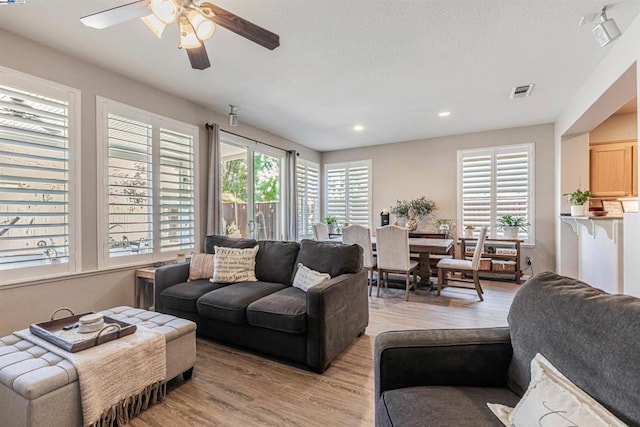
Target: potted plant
[511,225]
[413,210]
[578,200]
[468,231]
[444,225]
[332,222]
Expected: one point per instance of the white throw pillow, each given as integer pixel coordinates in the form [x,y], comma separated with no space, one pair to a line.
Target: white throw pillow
[307,278]
[232,265]
[552,400]
[201,266]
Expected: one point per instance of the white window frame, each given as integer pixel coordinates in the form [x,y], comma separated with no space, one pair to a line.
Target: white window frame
[309,164]
[27,82]
[493,152]
[352,164]
[104,107]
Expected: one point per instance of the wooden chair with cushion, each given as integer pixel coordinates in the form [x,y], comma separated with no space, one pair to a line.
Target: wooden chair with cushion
[392,246]
[464,266]
[359,235]
[321,231]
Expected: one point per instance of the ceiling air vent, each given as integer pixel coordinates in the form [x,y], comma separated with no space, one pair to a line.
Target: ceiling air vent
[521,91]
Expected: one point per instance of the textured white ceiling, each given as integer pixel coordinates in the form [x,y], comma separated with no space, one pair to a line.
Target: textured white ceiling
[389,65]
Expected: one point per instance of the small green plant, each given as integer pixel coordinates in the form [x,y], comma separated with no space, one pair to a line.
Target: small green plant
[443,221]
[330,220]
[469,227]
[512,221]
[579,197]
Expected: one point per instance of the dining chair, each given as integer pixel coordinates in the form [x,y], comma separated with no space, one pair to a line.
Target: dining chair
[392,246]
[361,236]
[321,231]
[463,266]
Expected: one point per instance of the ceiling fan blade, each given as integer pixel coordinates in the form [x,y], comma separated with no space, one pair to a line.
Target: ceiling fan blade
[243,27]
[199,58]
[116,15]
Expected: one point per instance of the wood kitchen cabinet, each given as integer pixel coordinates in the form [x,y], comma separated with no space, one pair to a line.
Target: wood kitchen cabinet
[613,169]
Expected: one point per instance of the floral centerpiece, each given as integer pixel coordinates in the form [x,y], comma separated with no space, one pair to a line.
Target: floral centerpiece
[413,210]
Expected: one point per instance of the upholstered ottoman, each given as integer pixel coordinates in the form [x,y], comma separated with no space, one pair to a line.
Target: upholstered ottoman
[39,388]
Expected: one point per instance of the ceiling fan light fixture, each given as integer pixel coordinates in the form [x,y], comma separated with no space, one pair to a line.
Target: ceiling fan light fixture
[154,24]
[188,38]
[201,24]
[164,10]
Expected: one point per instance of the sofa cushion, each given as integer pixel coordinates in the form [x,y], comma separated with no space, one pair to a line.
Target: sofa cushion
[233,265]
[549,388]
[276,260]
[230,302]
[210,242]
[285,311]
[331,258]
[441,406]
[307,278]
[585,333]
[184,296]
[201,266]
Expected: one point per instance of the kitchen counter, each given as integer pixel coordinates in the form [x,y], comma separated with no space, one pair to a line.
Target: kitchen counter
[600,250]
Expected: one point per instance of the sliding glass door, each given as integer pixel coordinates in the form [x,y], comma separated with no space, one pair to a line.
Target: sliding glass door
[251,180]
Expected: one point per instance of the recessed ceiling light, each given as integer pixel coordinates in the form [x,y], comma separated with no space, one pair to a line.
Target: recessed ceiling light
[444,114]
[358,128]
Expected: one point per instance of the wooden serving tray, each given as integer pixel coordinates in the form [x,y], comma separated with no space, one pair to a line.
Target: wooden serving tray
[72,341]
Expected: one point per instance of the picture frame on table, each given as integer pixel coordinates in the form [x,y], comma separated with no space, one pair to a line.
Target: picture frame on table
[613,207]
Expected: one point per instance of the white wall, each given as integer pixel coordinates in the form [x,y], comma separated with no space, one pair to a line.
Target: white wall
[574,173]
[407,170]
[23,304]
[619,127]
[612,84]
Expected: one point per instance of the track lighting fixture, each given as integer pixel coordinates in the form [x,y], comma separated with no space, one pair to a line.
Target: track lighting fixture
[233,115]
[606,30]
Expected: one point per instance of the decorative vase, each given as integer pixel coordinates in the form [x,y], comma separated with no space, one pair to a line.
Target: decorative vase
[511,232]
[578,210]
[412,224]
[468,233]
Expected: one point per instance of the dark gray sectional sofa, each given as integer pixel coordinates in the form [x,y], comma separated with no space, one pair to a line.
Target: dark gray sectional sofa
[446,377]
[270,315]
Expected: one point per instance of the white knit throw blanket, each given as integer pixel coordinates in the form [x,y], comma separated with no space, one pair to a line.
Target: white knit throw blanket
[118,379]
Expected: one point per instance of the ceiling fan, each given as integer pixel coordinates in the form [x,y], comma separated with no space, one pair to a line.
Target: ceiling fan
[196,21]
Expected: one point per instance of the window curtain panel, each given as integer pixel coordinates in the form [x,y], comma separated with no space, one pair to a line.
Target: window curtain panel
[291,209]
[213,192]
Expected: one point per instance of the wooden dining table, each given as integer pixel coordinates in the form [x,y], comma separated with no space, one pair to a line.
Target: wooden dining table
[424,248]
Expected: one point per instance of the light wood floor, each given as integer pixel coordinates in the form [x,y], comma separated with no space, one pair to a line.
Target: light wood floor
[231,387]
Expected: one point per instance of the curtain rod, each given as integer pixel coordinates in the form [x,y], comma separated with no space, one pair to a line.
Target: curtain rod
[210,126]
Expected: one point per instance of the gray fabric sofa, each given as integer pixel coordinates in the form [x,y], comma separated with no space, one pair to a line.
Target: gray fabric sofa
[270,315]
[445,377]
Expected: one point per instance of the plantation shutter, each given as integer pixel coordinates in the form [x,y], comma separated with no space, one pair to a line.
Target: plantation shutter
[308,183]
[476,189]
[336,205]
[358,200]
[34,179]
[177,191]
[349,192]
[512,186]
[496,182]
[130,186]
